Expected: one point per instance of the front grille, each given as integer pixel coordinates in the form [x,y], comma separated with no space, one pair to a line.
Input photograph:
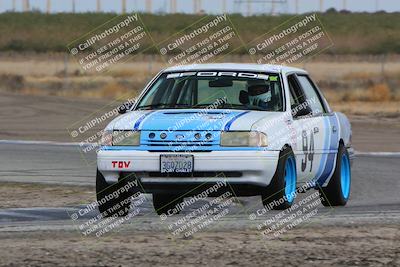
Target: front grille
[176,141]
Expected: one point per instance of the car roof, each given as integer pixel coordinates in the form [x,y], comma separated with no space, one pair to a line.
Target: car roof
[235,67]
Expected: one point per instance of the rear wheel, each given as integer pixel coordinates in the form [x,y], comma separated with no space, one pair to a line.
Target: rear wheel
[281,192]
[110,199]
[166,204]
[337,192]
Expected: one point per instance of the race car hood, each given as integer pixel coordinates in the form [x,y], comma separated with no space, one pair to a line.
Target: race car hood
[191,119]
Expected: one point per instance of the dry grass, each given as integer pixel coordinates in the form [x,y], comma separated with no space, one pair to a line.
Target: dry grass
[382,109]
[376,93]
[327,70]
[33,91]
[379,93]
[112,90]
[53,75]
[359,75]
[23,195]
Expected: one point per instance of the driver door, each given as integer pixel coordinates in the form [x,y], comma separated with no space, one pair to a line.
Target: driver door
[308,124]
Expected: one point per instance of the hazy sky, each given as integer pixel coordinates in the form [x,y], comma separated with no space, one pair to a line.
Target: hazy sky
[210,6]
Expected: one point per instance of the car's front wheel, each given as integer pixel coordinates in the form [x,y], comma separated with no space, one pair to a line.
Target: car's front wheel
[337,192]
[281,192]
[110,199]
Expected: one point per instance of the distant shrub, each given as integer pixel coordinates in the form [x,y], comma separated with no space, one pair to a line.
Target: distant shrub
[11,82]
[379,92]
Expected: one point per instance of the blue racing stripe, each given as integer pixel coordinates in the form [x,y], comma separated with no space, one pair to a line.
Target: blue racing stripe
[229,123]
[137,123]
[319,176]
[331,157]
[328,168]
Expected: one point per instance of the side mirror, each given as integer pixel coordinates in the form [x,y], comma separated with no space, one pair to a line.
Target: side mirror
[125,107]
[244,97]
[301,110]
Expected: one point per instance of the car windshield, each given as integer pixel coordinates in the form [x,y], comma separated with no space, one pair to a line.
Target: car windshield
[227,90]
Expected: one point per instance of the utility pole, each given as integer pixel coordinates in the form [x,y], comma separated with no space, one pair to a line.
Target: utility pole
[272,8]
[196,6]
[321,6]
[98,6]
[13,5]
[123,6]
[172,4]
[48,6]
[344,4]
[73,6]
[248,8]
[148,6]
[297,6]
[26,6]
[223,6]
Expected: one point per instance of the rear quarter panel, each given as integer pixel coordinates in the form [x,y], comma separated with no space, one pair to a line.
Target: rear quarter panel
[345,129]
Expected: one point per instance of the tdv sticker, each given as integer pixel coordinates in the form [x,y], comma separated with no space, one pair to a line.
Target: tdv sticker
[121,164]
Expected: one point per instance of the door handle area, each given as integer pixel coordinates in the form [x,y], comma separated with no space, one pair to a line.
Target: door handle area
[334,129]
[316,130]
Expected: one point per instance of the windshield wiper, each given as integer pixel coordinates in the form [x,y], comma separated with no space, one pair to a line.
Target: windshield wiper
[181,105]
[232,106]
[202,105]
[163,105]
[152,106]
[226,105]
[172,106]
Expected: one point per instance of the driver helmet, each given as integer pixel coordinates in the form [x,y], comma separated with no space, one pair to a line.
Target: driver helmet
[259,92]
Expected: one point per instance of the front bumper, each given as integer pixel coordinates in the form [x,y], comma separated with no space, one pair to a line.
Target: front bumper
[251,169]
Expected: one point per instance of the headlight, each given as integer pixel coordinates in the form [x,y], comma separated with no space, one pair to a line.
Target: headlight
[250,139]
[126,138]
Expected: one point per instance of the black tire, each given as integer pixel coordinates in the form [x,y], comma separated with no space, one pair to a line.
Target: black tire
[163,203]
[118,206]
[274,196]
[333,194]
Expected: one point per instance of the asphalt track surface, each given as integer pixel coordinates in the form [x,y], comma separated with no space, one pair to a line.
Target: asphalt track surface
[374,198]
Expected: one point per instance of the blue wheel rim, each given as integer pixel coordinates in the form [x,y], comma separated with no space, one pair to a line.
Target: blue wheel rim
[345,176]
[290,179]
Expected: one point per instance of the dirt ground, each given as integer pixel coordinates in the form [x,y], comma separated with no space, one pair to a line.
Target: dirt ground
[23,195]
[368,245]
[373,133]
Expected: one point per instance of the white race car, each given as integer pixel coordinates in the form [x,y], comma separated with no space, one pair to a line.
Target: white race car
[262,129]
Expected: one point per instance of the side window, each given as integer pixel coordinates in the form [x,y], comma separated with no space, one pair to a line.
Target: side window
[296,94]
[311,94]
